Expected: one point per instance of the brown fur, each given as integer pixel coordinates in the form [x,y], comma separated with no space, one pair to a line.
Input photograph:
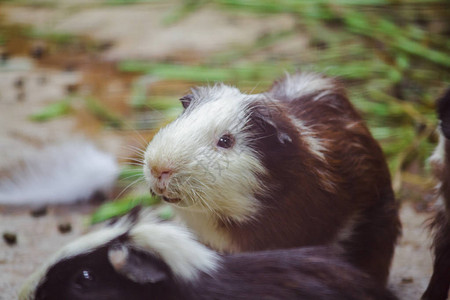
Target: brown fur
[312,199]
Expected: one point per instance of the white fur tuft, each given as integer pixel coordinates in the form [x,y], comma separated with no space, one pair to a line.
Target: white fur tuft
[177,247]
[316,145]
[437,158]
[301,84]
[60,174]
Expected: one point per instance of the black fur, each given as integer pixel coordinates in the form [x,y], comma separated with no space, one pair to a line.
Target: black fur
[443,106]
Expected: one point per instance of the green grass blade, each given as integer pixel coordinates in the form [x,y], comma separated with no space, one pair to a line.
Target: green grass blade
[121,207]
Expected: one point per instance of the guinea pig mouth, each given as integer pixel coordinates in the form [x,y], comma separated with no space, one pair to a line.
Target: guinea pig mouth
[169,200]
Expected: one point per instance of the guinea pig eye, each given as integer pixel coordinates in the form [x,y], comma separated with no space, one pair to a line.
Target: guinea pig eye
[85,279]
[226,141]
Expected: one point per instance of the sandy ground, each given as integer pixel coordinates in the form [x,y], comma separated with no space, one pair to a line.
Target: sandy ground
[135,32]
[412,264]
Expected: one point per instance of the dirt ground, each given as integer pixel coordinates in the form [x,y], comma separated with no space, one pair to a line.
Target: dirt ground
[135,36]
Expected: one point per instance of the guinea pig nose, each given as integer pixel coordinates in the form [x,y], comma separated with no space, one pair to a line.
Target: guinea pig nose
[163,179]
[164,175]
[161,174]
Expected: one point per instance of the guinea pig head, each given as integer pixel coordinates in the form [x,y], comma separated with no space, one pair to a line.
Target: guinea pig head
[208,159]
[141,263]
[109,272]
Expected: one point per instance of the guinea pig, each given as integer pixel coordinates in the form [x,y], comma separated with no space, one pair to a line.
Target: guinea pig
[438,288]
[164,261]
[295,166]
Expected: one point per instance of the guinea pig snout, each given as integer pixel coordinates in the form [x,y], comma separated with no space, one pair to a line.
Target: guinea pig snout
[162,177]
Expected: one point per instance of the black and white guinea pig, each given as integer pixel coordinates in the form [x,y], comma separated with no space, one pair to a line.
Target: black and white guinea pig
[439,286]
[295,166]
[163,261]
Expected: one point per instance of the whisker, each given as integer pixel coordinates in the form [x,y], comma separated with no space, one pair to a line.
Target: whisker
[131,158]
[198,181]
[131,176]
[137,149]
[135,162]
[128,126]
[254,88]
[127,187]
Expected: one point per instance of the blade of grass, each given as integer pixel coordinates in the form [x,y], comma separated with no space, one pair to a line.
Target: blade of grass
[52,111]
[204,73]
[103,113]
[121,207]
[187,8]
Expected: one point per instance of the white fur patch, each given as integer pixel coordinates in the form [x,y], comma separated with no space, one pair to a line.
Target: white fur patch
[63,173]
[118,257]
[300,84]
[207,229]
[177,247]
[437,162]
[348,229]
[437,158]
[315,144]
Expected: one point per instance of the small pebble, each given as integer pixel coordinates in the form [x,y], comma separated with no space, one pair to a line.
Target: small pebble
[39,212]
[98,197]
[65,227]
[38,50]
[71,88]
[19,83]
[105,45]
[10,238]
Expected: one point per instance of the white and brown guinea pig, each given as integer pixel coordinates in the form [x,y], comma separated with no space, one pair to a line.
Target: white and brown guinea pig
[292,167]
[162,260]
[439,286]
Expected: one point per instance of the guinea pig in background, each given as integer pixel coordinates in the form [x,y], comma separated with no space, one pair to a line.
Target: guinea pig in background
[438,288]
[292,167]
[162,260]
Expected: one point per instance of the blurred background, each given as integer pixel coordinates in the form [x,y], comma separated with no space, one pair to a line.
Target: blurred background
[84,85]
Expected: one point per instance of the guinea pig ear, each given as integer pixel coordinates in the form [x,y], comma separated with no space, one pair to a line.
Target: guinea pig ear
[186,100]
[443,108]
[266,119]
[137,266]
